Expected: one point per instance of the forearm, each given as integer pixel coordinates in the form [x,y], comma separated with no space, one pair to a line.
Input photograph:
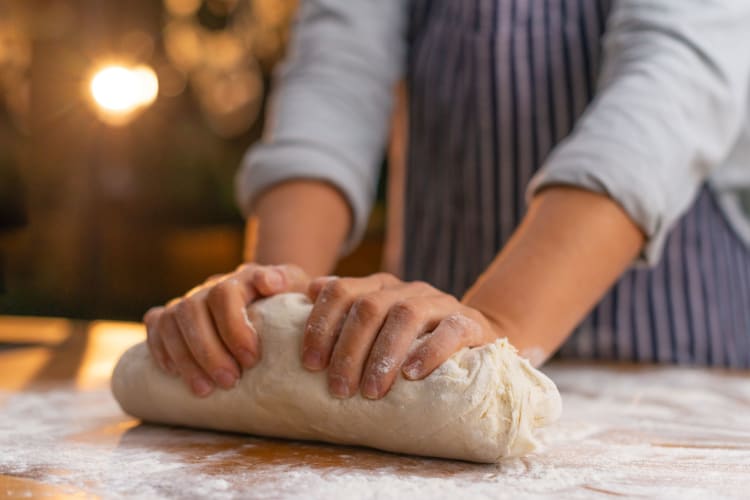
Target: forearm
[570,248]
[328,120]
[299,222]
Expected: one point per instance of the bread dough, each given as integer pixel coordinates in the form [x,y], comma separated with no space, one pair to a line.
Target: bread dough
[481,405]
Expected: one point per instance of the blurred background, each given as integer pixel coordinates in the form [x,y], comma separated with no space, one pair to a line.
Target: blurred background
[121,127]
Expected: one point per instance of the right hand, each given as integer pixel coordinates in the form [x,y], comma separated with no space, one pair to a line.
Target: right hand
[205,336]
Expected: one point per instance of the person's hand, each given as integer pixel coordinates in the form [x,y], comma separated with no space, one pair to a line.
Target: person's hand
[205,336]
[364,331]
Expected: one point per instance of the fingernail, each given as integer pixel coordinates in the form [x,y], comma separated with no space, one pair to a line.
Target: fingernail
[247,358]
[370,389]
[202,387]
[225,379]
[339,386]
[413,369]
[312,360]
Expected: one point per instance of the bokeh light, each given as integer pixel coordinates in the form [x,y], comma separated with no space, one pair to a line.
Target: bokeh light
[182,7]
[230,101]
[119,93]
[224,62]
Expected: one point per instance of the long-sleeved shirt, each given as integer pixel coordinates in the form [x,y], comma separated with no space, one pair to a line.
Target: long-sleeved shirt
[671,110]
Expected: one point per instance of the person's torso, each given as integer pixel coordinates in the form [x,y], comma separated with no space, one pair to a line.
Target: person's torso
[493,86]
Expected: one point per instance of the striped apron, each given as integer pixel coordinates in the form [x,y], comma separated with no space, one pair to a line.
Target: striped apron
[493,86]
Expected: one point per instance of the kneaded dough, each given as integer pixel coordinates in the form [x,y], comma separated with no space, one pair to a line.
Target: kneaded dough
[481,405]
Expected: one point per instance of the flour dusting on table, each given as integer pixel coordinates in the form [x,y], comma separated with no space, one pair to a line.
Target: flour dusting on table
[667,432]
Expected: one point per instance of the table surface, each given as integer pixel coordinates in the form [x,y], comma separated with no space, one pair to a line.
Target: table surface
[625,430]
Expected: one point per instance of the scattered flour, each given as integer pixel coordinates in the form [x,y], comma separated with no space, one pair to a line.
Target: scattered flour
[655,432]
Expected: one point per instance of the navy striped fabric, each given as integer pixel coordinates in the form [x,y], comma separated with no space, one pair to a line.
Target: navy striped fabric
[494,85]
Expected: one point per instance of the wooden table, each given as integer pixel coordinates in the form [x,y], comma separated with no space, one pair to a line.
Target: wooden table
[634,431]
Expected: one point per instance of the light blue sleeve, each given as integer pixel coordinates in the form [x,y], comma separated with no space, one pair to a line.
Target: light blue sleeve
[330,110]
[671,102]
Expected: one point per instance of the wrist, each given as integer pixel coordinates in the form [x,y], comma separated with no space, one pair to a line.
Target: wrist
[299,222]
[501,326]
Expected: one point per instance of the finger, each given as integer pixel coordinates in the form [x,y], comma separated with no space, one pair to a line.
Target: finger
[214,278]
[153,339]
[358,333]
[385,279]
[317,285]
[153,314]
[405,322]
[191,373]
[271,280]
[244,274]
[204,342]
[453,333]
[227,304]
[328,315]
[361,326]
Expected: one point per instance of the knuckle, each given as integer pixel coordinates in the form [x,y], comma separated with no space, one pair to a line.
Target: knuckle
[405,311]
[170,311]
[195,290]
[381,365]
[153,314]
[321,281]
[341,364]
[386,278]
[366,308]
[245,268]
[317,285]
[214,278]
[427,351]
[316,328]
[422,286]
[455,320]
[462,325]
[335,289]
[291,270]
[218,293]
[285,269]
[185,309]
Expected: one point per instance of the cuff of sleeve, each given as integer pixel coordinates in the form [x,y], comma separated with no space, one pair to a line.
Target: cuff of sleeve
[630,186]
[267,165]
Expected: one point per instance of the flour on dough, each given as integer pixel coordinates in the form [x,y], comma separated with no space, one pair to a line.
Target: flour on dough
[481,405]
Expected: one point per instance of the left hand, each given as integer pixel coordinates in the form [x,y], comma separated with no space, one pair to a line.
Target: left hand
[363,330]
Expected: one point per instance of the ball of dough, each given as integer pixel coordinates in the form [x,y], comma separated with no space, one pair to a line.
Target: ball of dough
[481,405]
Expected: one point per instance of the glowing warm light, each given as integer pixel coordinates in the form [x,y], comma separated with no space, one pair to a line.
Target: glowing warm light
[119,92]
